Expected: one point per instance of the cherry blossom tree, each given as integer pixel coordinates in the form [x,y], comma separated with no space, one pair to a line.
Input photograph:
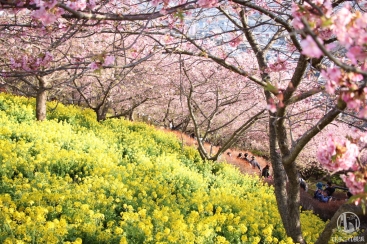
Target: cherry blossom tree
[290,80]
[306,60]
[30,65]
[216,99]
[55,58]
[121,86]
[47,32]
[317,22]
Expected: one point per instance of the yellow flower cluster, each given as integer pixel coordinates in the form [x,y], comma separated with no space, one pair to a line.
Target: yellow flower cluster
[71,180]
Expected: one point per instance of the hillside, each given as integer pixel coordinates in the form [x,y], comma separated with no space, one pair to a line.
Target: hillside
[324,210]
[71,180]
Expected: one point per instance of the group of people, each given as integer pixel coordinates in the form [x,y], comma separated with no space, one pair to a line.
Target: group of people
[324,195]
[253,162]
[265,172]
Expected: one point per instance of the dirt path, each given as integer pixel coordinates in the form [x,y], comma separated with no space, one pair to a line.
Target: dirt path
[242,165]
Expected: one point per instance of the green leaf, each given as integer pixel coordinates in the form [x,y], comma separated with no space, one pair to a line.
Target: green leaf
[179,14]
[326,22]
[271,88]
[333,158]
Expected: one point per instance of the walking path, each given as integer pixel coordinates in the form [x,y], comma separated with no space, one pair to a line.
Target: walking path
[242,165]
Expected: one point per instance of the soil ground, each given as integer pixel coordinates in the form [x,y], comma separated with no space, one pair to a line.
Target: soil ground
[242,164]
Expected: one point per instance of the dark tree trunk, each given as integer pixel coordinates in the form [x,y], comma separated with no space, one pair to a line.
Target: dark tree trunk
[41,101]
[286,187]
[101,114]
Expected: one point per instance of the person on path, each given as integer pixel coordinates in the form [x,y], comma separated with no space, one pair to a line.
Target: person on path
[330,189]
[246,158]
[322,196]
[254,163]
[265,171]
[303,184]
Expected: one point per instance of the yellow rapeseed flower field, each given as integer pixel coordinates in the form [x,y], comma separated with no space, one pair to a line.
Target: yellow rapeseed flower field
[72,180]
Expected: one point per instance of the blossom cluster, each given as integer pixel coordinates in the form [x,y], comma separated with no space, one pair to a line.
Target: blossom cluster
[48,12]
[341,154]
[31,63]
[105,61]
[349,28]
[338,154]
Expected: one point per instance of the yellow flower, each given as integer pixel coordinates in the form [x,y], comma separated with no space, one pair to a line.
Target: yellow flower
[58,208]
[167,231]
[118,230]
[221,240]
[165,218]
[78,241]
[123,240]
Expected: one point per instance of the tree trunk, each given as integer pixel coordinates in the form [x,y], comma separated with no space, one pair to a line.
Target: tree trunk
[101,114]
[41,101]
[293,204]
[131,114]
[287,195]
[101,110]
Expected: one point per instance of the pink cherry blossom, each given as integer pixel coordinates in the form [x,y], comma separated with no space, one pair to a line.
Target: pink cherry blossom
[352,102]
[354,184]
[93,66]
[47,4]
[354,77]
[44,16]
[155,2]
[235,42]
[330,86]
[310,48]
[14,64]
[363,138]
[356,53]
[333,76]
[271,106]
[344,16]
[77,5]
[327,4]
[296,22]
[47,58]
[208,3]
[278,65]
[91,4]
[109,60]
[338,154]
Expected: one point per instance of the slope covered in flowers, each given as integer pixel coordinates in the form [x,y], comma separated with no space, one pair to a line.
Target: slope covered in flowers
[70,180]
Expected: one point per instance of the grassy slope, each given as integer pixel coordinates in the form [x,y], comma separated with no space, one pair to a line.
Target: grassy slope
[70,179]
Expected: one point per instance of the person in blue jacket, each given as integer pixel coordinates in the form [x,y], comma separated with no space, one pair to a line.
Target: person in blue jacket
[320,194]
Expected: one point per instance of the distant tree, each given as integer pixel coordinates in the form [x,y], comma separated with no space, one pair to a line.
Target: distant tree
[217,100]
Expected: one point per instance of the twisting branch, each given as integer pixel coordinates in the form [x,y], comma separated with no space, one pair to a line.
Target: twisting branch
[301,142]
